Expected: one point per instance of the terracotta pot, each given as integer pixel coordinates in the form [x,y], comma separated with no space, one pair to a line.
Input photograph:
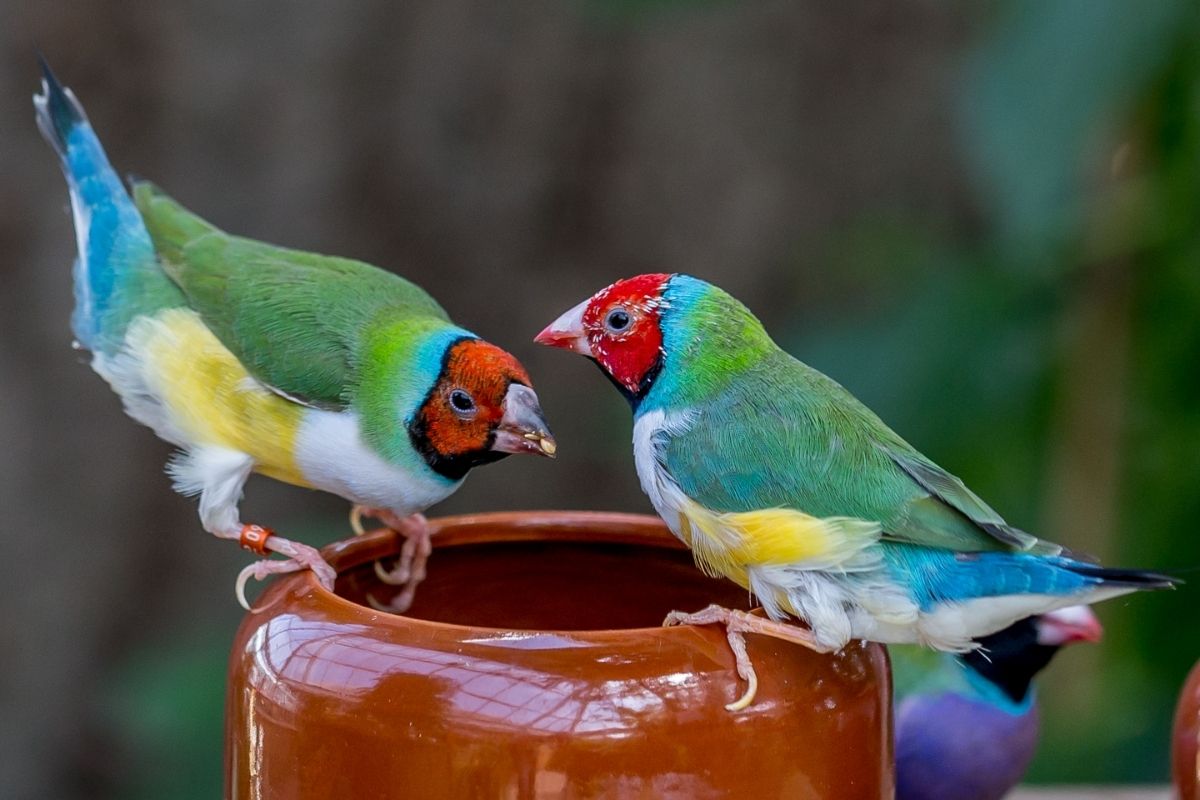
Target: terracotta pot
[1185,746]
[532,665]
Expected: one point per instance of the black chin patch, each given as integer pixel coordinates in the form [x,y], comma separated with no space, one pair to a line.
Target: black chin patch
[1010,658]
[647,381]
[453,467]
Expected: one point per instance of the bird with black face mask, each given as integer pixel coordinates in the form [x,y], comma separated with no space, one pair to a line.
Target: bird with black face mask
[967,724]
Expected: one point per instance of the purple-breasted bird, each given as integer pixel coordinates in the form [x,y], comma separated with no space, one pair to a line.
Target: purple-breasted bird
[779,479]
[967,724]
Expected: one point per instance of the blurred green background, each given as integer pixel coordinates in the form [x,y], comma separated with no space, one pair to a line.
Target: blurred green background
[982,218]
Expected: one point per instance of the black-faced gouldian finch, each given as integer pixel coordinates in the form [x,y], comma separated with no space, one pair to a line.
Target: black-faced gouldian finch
[967,724]
[322,372]
[779,479]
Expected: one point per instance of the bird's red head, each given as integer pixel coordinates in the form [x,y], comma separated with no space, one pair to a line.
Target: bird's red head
[619,327]
[1067,625]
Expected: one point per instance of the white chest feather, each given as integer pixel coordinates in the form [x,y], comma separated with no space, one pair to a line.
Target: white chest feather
[664,493]
[331,454]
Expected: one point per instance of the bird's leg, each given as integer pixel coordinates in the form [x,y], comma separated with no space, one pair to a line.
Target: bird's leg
[409,570]
[219,474]
[736,624]
[415,551]
[298,556]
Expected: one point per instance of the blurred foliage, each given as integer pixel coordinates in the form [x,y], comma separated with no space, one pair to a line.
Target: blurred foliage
[1068,327]
[166,701]
[1044,96]
[168,705]
[1065,316]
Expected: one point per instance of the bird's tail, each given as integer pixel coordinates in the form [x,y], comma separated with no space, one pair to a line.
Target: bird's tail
[1134,579]
[117,277]
[1104,583]
[1033,584]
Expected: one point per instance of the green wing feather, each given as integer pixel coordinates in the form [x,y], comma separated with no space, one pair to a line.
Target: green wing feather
[922,670]
[784,435]
[948,490]
[294,319]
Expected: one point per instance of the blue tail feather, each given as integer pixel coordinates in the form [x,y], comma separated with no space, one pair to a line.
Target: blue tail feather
[937,576]
[116,272]
[1115,576]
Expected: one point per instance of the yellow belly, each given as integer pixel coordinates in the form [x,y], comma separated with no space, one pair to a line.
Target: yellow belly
[730,543]
[210,397]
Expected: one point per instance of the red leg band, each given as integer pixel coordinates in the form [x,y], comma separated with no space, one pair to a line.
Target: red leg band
[254,538]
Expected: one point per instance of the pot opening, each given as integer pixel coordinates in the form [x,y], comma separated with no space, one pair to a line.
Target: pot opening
[551,585]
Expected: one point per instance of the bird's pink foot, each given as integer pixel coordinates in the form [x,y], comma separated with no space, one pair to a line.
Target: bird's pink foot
[736,624]
[297,556]
[409,569]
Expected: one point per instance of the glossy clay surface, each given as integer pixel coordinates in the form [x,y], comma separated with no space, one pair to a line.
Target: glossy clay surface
[533,667]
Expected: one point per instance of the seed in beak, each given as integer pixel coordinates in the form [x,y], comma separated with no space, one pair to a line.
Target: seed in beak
[545,442]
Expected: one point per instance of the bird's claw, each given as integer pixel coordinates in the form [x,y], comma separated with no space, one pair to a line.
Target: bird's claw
[299,556]
[399,603]
[396,576]
[410,567]
[255,571]
[411,561]
[716,615]
[736,624]
[675,618]
[356,515]
[745,668]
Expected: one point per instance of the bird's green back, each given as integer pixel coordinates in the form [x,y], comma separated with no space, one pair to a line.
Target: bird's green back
[770,432]
[296,320]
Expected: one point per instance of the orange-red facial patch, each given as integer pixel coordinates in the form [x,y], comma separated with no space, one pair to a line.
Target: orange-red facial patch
[483,372]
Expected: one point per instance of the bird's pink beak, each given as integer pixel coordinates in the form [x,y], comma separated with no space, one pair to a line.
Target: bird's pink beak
[1067,625]
[523,427]
[567,332]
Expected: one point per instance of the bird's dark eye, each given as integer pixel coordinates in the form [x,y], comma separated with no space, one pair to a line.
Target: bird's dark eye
[462,403]
[618,320]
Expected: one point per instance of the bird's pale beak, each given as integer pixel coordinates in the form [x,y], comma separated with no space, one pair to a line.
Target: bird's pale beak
[523,427]
[567,332]
[1067,625]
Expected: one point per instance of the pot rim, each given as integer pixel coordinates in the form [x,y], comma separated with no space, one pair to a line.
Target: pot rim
[609,527]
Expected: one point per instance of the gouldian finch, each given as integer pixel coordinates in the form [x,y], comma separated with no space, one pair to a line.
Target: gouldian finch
[318,371]
[779,479]
[967,725]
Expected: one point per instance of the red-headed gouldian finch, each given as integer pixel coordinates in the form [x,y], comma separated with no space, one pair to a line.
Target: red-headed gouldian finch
[967,724]
[318,371]
[779,479]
